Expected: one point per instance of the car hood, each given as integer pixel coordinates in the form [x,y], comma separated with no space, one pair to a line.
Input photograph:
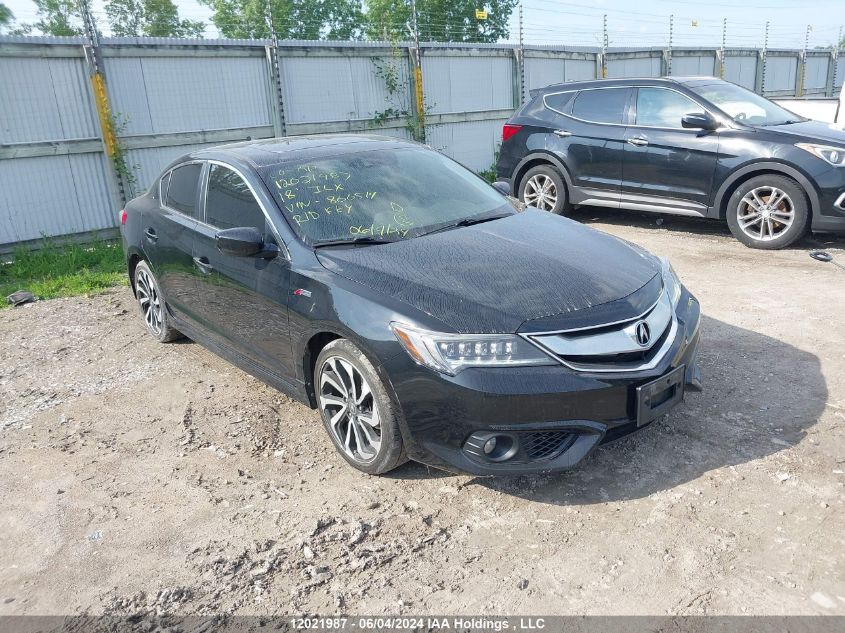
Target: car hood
[532,269]
[810,131]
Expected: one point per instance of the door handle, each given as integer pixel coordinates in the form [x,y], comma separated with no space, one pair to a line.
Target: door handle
[562,133]
[151,235]
[203,264]
[639,141]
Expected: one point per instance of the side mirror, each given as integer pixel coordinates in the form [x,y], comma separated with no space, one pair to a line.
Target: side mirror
[244,241]
[502,187]
[699,121]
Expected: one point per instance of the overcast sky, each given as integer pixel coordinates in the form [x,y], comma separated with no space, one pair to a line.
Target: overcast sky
[645,22]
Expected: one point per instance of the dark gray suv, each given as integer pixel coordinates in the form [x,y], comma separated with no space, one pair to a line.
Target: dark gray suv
[699,147]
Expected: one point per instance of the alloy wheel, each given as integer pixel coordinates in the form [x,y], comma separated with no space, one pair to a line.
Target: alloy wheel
[348,403]
[149,300]
[540,192]
[765,213]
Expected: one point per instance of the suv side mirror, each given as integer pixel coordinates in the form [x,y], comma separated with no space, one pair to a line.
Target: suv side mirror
[699,121]
[502,187]
[244,241]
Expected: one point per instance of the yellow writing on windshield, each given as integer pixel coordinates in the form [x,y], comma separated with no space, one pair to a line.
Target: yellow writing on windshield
[310,194]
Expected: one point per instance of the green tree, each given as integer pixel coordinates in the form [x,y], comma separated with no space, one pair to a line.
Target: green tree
[440,20]
[6,17]
[152,18]
[58,17]
[292,19]
[125,17]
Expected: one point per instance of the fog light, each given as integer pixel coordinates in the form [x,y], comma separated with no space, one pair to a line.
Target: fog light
[491,446]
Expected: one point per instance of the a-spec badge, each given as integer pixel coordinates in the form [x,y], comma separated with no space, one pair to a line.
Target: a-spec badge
[302,292]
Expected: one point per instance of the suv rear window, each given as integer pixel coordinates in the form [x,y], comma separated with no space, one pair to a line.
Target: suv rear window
[558,101]
[604,105]
[182,191]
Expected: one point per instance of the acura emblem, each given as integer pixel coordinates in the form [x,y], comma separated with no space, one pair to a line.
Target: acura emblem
[643,333]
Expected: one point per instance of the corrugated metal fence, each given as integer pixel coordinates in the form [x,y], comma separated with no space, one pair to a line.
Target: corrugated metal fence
[169,97]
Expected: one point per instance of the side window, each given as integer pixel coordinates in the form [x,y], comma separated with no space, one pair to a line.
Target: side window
[182,191]
[230,203]
[657,107]
[162,186]
[606,105]
[558,101]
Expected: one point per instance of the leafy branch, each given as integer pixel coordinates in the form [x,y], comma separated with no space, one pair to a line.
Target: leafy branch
[393,71]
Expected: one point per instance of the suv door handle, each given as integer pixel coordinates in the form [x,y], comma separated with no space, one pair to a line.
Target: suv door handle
[639,141]
[151,234]
[562,133]
[203,264]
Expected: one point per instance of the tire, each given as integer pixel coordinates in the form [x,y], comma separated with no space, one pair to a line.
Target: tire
[535,181]
[152,305]
[749,213]
[341,374]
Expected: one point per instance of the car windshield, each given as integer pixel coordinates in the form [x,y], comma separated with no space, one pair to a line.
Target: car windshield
[380,195]
[745,106]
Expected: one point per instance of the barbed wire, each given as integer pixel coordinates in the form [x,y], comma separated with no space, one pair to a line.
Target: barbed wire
[649,28]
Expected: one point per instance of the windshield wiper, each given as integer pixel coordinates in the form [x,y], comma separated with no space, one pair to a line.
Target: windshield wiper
[467,222]
[787,122]
[355,240]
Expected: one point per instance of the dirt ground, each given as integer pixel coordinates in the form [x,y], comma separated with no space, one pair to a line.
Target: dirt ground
[139,477]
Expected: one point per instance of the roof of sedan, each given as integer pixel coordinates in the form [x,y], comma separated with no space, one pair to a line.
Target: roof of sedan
[273,151]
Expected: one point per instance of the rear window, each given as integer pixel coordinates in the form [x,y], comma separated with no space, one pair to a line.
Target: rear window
[182,191]
[606,105]
[389,194]
[558,101]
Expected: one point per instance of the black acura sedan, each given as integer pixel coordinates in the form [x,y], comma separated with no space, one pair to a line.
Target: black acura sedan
[697,146]
[405,298]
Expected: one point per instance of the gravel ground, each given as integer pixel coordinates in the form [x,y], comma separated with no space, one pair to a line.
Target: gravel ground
[139,477]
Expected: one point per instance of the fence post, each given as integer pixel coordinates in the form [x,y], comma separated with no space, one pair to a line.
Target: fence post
[800,77]
[830,84]
[417,94]
[277,104]
[520,66]
[760,76]
[601,59]
[667,52]
[518,78]
[119,186]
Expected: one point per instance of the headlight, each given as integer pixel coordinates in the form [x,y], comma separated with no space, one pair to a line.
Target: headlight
[671,281]
[450,353]
[833,155]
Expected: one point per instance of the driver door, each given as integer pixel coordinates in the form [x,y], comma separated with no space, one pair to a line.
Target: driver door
[243,300]
[664,163]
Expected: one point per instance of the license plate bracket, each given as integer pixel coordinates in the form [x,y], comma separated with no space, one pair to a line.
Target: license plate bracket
[658,396]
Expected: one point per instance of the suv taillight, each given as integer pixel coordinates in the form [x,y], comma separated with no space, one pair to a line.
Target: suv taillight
[122,217]
[509,130]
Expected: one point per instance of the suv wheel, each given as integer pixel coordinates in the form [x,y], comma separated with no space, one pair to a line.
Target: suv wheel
[768,212]
[542,187]
[356,411]
[152,305]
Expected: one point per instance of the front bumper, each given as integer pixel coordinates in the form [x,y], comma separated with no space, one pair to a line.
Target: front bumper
[446,418]
[830,214]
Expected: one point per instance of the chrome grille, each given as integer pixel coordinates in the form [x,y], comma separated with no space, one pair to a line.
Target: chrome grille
[614,347]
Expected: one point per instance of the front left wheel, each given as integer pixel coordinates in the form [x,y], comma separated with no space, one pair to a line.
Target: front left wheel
[769,212]
[356,410]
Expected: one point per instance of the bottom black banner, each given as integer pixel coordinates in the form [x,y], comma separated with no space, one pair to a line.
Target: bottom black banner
[146,623]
